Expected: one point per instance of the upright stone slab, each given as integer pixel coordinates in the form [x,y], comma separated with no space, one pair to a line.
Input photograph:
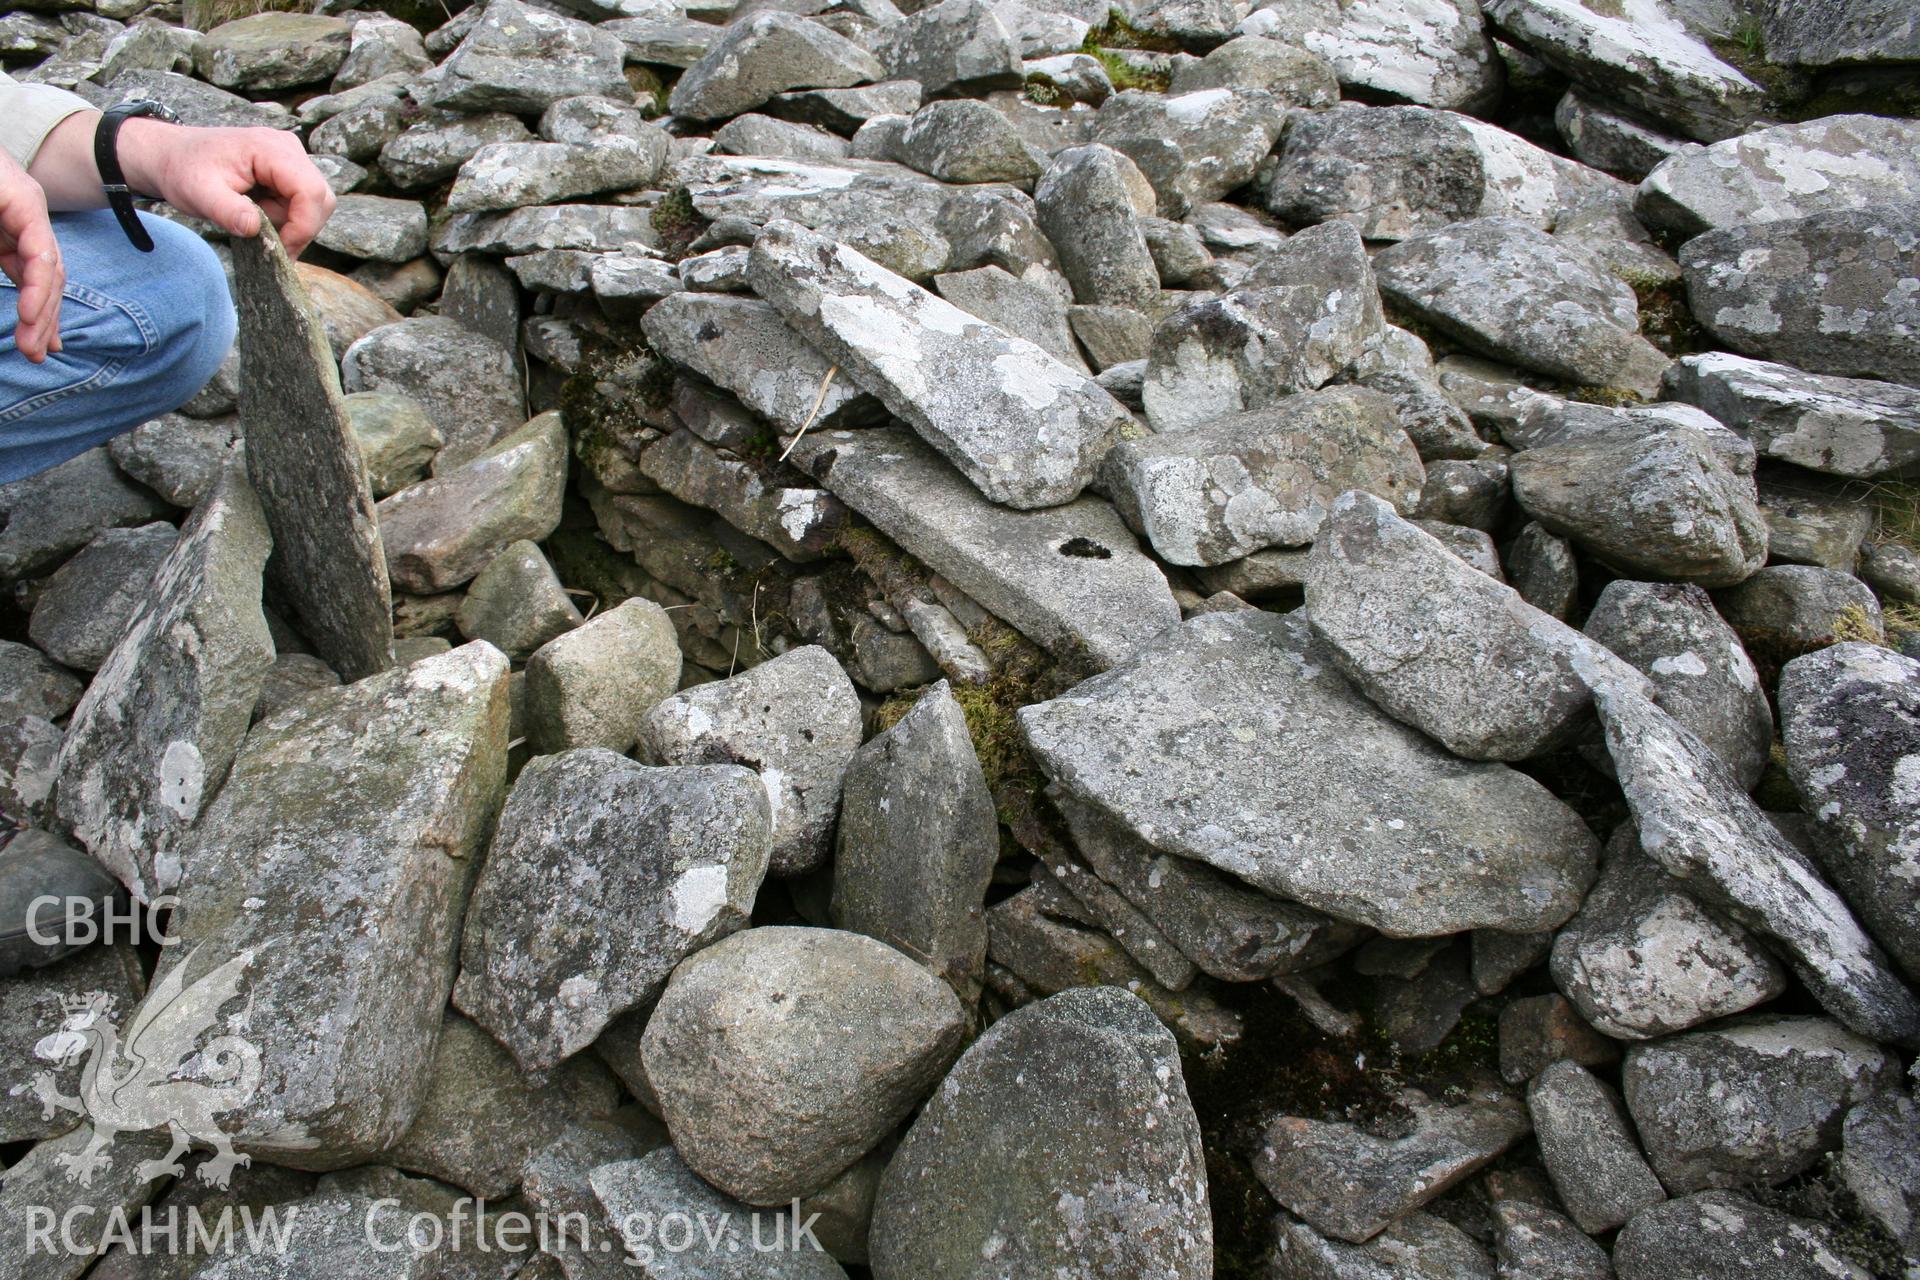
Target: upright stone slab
[332,875]
[151,739]
[1024,428]
[305,465]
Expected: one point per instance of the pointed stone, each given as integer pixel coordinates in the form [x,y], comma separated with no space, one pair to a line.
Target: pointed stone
[306,468]
[152,737]
[331,875]
[1024,428]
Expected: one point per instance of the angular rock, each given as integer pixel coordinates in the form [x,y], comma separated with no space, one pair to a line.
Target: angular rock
[1826,293]
[1697,823]
[433,150]
[150,742]
[1515,293]
[1089,204]
[954,47]
[42,1013]
[1070,578]
[1436,55]
[53,514]
[1535,1243]
[177,457]
[767,53]
[1722,1233]
[843,111]
[1641,54]
[1428,844]
[483,1119]
[1395,172]
[42,1187]
[1850,717]
[1306,311]
[758,135]
[1786,610]
[1420,1246]
[1589,1148]
[917,843]
[1643,958]
[1612,141]
[508,175]
[1439,645]
[1193,147]
[1022,306]
[1787,171]
[800,522]
[394,809]
[1286,70]
[594,686]
[376,229]
[1351,1184]
[1843,426]
[1538,1031]
[516,603]
[521,59]
[794,719]
[1664,505]
[1701,675]
[742,345]
[269,51]
[1838,31]
[1880,1163]
[442,532]
[87,603]
[29,751]
[782,1055]
[467,383]
[328,567]
[966,141]
[603,876]
[638,1197]
[1220,490]
[31,684]
[1812,523]
[398,441]
[1750,1101]
[995,1167]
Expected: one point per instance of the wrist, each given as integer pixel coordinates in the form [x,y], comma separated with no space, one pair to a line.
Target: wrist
[143,148]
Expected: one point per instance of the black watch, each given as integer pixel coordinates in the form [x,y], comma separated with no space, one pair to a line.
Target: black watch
[106,158]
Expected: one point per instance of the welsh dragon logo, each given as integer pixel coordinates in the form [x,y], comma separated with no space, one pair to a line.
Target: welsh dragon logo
[157,1078]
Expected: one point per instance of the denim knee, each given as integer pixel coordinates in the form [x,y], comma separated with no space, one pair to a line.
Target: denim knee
[194,314]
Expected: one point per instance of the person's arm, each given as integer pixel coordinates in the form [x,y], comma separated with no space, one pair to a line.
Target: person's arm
[216,174]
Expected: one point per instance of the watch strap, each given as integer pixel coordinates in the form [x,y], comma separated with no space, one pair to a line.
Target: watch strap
[106,158]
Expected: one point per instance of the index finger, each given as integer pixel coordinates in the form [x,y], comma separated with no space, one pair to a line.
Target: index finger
[38,278]
[309,200]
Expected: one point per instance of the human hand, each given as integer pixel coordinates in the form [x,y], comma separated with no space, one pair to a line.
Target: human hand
[31,258]
[229,176]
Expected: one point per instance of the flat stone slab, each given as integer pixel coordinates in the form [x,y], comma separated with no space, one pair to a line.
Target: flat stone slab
[1027,430]
[1856,427]
[1071,578]
[1368,821]
[306,468]
[152,737]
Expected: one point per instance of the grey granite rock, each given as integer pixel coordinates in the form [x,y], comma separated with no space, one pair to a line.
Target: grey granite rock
[1532,1242]
[29,750]
[43,1185]
[1694,660]
[434,149]
[1826,32]
[1600,134]
[1193,147]
[1723,1233]
[1439,839]
[1395,172]
[758,135]
[516,603]
[519,58]
[1786,610]
[1695,820]
[53,514]
[743,346]
[398,441]
[593,686]
[328,568]
[509,175]
[1217,491]
[1640,54]
[918,840]
[637,1198]
[1089,203]
[965,140]
[32,684]
[795,719]
[1824,292]
[1026,307]
[442,532]
[150,742]
[1750,1101]
[395,809]
[268,51]
[1853,427]
[1880,1163]
[1113,1185]
[1069,578]
[1538,1031]
[42,1013]
[604,874]
[1850,717]
[376,228]
[953,47]
[1441,646]
[1351,1184]
[1301,316]
[1286,70]
[1664,505]
[1419,1246]
[177,457]
[767,53]
[1025,428]
[1589,1148]
[1643,958]
[1786,171]
[1512,292]
[89,600]
[468,384]
[782,1055]
[1437,55]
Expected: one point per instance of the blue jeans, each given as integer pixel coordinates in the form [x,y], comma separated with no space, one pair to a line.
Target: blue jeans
[143,332]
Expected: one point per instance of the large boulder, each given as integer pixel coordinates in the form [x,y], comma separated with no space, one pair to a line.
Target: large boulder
[1432,52]
[465,381]
[1089,203]
[1372,822]
[767,53]
[1193,147]
[1822,33]
[1856,427]
[782,1055]
[995,1168]
[594,686]
[326,887]
[604,874]
[1722,1233]
[523,59]
[1828,293]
